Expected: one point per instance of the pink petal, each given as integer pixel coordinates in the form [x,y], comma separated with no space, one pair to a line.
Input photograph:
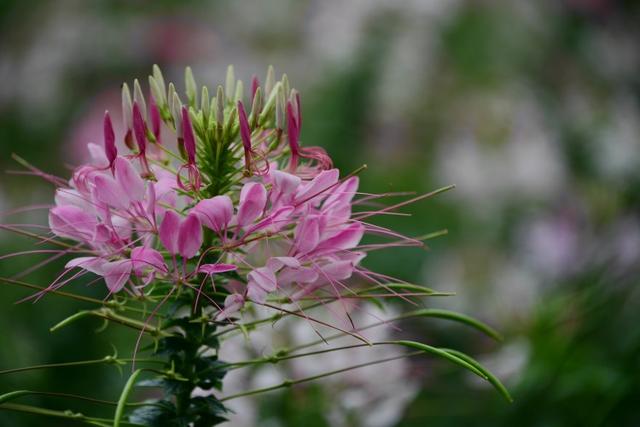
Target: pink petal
[339,270]
[253,198]
[190,236]
[145,259]
[256,293]
[89,263]
[276,263]
[116,274]
[300,275]
[73,222]
[232,304]
[317,189]
[96,153]
[307,234]
[274,222]
[107,190]
[216,268]
[344,192]
[345,239]
[129,179]
[263,278]
[284,182]
[169,230]
[215,213]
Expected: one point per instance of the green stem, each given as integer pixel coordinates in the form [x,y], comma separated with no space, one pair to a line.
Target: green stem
[122,402]
[109,360]
[289,383]
[109,314]
[70,415]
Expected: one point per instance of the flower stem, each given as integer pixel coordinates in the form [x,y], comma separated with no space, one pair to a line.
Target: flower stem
[289,383]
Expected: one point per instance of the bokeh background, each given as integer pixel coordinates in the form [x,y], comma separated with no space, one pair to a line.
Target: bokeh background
[531,108]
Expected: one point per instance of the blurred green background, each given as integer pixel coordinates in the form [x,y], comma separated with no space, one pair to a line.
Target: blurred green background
[531,108]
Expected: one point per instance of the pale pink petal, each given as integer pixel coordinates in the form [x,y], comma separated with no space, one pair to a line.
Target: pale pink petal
[274,222]
[98,158]
[299,275]
[215,213]
[129,179]
[316,190]
[284,182]
[116,274]
[216,268]
[190,236]
[253,198]
[348,238]
[307,234]
[276,263]
[145,259]
[169,230]
[232,304]
[89,263]
[264,278]
[107,190]
[72,222]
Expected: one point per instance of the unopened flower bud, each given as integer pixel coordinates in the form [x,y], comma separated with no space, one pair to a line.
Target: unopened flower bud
[245,134]
[230,82]
[191,87]
[176,111]
[156,92]
[269,81]
[256,106]
[205,104]
[220,101]
[255,84]
[189,136]
[110,149]
[139,128]
[280,107]
[285,85]
[154,115]
[127,117]
[239,91]
[157,76]
[138,97]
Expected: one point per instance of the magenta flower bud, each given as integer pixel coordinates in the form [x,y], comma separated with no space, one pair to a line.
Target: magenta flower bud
[139,129]
[109,139]
[154,116]
[255,84]
[245,131]
[190,237]
[245,134]
[189,136]
[293,131]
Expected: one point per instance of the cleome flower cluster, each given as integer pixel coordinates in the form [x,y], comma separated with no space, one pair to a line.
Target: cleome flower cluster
[208,188]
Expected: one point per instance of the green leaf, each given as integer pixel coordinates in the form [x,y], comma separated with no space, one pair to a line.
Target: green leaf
[457,317]
[490,377]
[444,354]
